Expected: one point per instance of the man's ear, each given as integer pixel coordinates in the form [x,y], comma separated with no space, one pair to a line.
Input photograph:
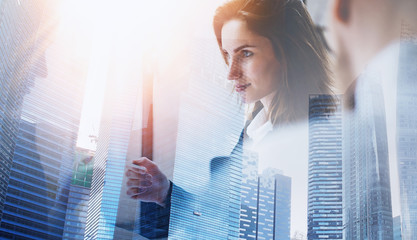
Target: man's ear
[343,10]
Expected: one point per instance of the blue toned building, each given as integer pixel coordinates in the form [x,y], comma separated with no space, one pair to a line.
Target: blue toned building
[366,177]
[79,194]
[266,202]
[407,132]
[282,221]
[249,197]
[108,193]
[37,195]
[109,163]
[209,126]
[19,24]
[325,168]
[40,176]
[266,207]
[274,205]
[397,228]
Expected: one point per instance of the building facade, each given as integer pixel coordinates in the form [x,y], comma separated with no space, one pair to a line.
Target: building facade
[366,176]
[325,168]
[209,126]
[249,196]
[37,194]
[19,25]
[397,228]
[79,195]
[265,202]
[111,214]
[407,132]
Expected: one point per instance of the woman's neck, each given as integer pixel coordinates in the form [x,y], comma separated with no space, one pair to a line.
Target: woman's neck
[267,100]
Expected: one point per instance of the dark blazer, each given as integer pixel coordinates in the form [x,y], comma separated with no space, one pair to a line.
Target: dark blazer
[214,209]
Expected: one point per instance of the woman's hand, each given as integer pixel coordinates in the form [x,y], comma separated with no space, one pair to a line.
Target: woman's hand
[146,182]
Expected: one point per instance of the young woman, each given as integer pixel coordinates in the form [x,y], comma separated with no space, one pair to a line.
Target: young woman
[275,59]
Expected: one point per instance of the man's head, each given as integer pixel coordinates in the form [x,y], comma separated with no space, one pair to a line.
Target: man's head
[358,29]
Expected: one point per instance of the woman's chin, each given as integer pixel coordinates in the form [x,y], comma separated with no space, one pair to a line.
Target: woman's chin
[247,100]
[243,98]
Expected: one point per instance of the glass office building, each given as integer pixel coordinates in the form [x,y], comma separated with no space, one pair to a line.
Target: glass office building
[274,205]
[407,132]
[397,228]
[282,221]
[209,127]
[18,28]
[325,168]
[108,183]
[366,180]
[38,189]
[37,194]
[249,196]
[265,202]
[79,195]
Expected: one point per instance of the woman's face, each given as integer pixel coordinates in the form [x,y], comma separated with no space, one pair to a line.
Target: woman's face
[252,63]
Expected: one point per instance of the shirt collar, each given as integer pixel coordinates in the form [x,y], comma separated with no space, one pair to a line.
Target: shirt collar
[259,127]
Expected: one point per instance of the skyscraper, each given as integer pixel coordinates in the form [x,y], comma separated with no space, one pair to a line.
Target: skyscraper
[209,126]
[325,168]
[117,123]
[266,202]
[282,223]
[274,205]
[79,195]
[19,24]
[366,179]
[41,172]
[407,132]
[397,228]
[249,196]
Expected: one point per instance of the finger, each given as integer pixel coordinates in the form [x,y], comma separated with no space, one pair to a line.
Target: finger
[140,161]
[138,183]
[137,168]
[148,164]
[136,191]
[134,175]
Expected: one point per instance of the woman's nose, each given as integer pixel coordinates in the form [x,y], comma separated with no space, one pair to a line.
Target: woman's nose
[235,71]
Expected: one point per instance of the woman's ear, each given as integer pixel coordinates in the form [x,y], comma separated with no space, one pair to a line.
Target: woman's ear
[342,10]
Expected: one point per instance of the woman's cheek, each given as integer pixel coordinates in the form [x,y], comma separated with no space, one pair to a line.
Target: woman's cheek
[253,71]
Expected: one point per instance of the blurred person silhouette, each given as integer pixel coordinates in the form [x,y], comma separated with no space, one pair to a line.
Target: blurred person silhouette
[275,59]
[356,31]
[375,48]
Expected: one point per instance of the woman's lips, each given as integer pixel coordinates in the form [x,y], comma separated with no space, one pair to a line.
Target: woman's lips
[242,87]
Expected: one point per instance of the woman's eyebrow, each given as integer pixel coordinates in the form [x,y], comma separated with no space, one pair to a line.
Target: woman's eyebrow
[242,47]
[239,48]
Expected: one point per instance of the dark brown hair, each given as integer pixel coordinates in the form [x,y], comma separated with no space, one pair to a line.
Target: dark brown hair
[297,46]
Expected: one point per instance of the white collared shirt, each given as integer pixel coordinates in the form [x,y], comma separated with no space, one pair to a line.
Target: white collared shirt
[258,129]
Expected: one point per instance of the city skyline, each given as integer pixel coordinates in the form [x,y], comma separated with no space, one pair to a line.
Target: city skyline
[69,74]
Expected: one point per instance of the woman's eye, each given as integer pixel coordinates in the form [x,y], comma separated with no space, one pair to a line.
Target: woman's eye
[247,53]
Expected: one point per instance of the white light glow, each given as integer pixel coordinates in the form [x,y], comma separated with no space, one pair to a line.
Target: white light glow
[156,26]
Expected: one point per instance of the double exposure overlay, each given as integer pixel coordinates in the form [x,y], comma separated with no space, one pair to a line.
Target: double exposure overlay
[213,119]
